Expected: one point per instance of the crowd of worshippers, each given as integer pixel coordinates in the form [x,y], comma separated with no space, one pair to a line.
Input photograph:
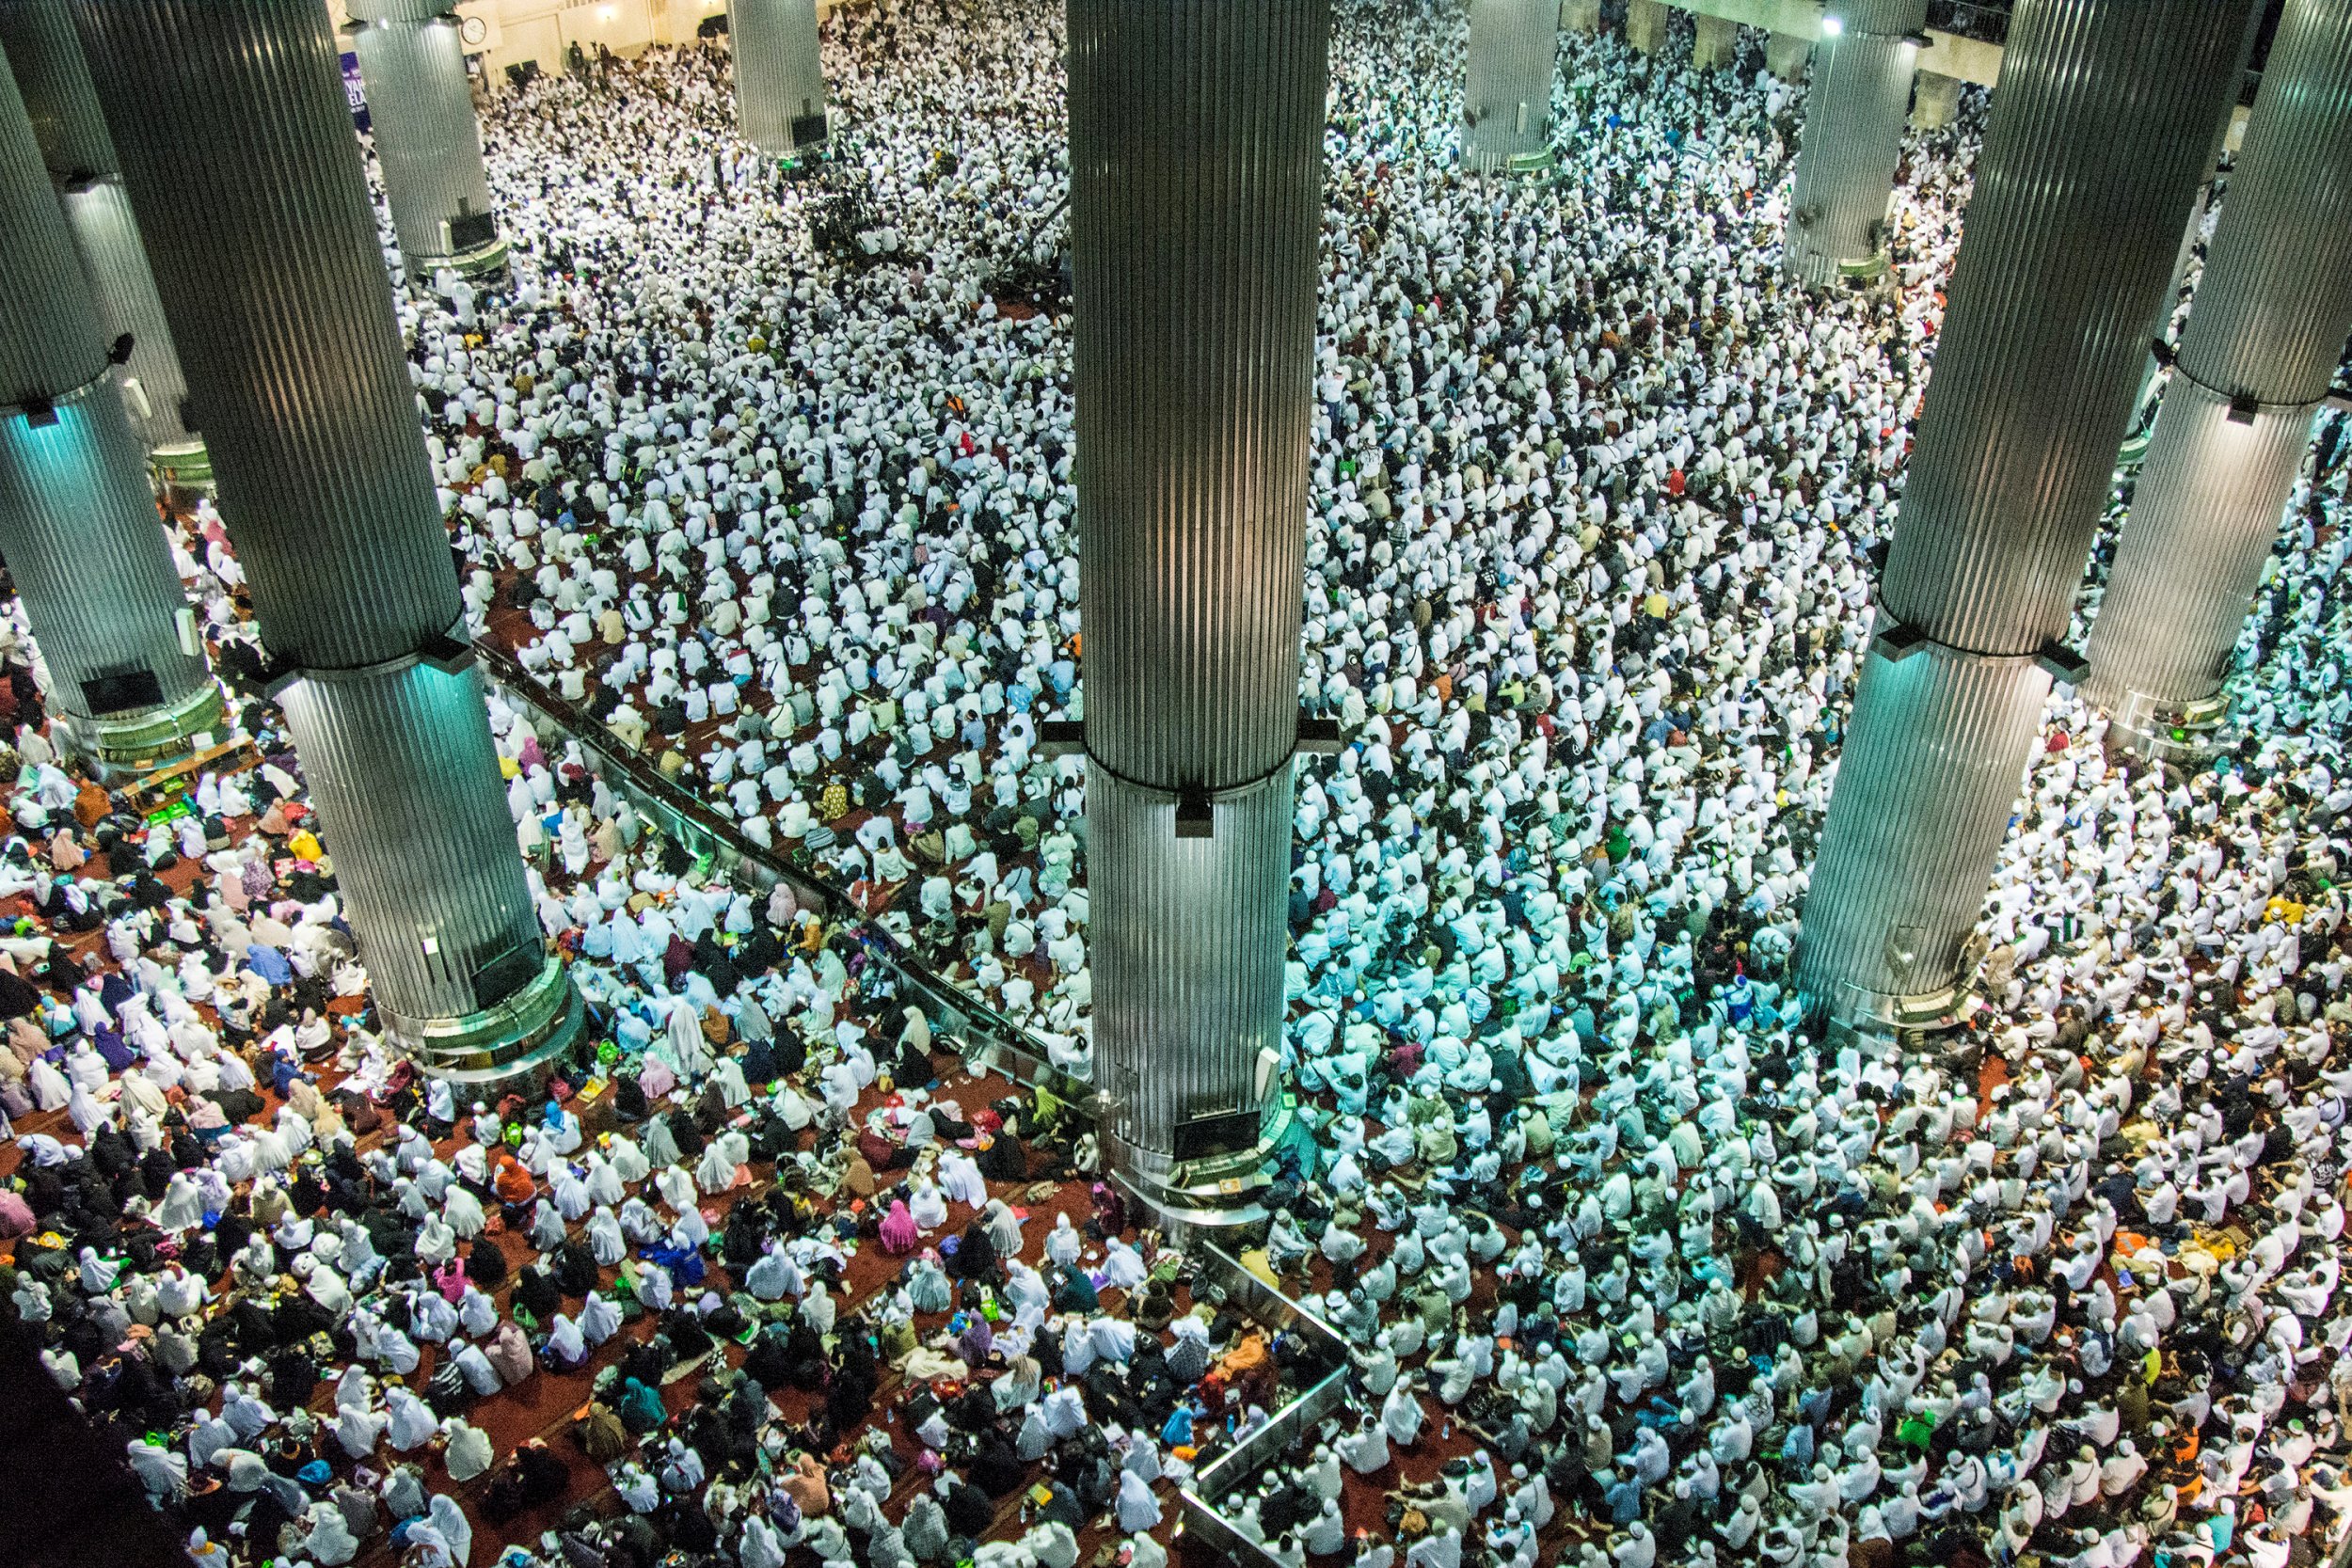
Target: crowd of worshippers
[1589,518]
[298,1280]
[1642,1265]
[1593,504]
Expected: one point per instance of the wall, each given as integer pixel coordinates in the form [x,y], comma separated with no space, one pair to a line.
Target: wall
[542,30]
[1968,60]
[683,17]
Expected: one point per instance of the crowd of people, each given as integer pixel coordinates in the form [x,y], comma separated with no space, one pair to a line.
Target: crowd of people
[767,470]
[766,1271]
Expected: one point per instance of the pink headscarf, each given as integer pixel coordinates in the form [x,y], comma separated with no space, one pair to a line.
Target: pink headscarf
[899,1234]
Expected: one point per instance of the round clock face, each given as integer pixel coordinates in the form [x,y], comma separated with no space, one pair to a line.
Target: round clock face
[473,29]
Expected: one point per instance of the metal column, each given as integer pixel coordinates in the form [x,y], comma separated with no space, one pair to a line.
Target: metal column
[1853,137]
[412,62]
[779,74]
[237,148]
[2161,321]
[2090,162]
[1196,155]
[77,521]
[2266,329]
[54,79]
[1506,99]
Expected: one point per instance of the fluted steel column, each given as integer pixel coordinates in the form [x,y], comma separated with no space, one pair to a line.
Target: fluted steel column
[779,74]
[412,62]
[1507,102]
[2160,321]
[55,79]
[2088,164]
[1196,155]
[78,523]
[1853,137]
[2265,330]
[238,152]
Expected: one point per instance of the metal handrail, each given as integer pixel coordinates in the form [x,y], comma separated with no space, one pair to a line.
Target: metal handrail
[1000,1042]
[1253,1455]
[1010,1049]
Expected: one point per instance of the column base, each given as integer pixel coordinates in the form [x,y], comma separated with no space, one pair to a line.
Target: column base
[1929,1012]
[793,149]
[143,739]
[1216,1192]
[822,134]
[187,467]
[1927,789]
[480,263]
[1581,17]
[1542,162]
[517,1040]
[2183,732]
[1817,271]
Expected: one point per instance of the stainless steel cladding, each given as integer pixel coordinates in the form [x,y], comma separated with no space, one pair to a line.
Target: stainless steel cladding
[106,233]
[1506,99]
[1196,151]
[779,74]
[62,103]
[401,767]
[77,521]
[50,341]
[1926,785]
[90,560]
[2266,329]
[2270,315]
[2204,518]
[2089,165]
[1186,938]
[2096,144]
[238,151]
[1855,113]
[54,79]
[412,62]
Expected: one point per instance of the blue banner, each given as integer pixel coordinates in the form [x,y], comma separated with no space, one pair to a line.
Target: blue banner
[354,92]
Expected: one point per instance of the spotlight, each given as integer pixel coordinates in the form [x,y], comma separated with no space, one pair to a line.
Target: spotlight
[1831,27]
